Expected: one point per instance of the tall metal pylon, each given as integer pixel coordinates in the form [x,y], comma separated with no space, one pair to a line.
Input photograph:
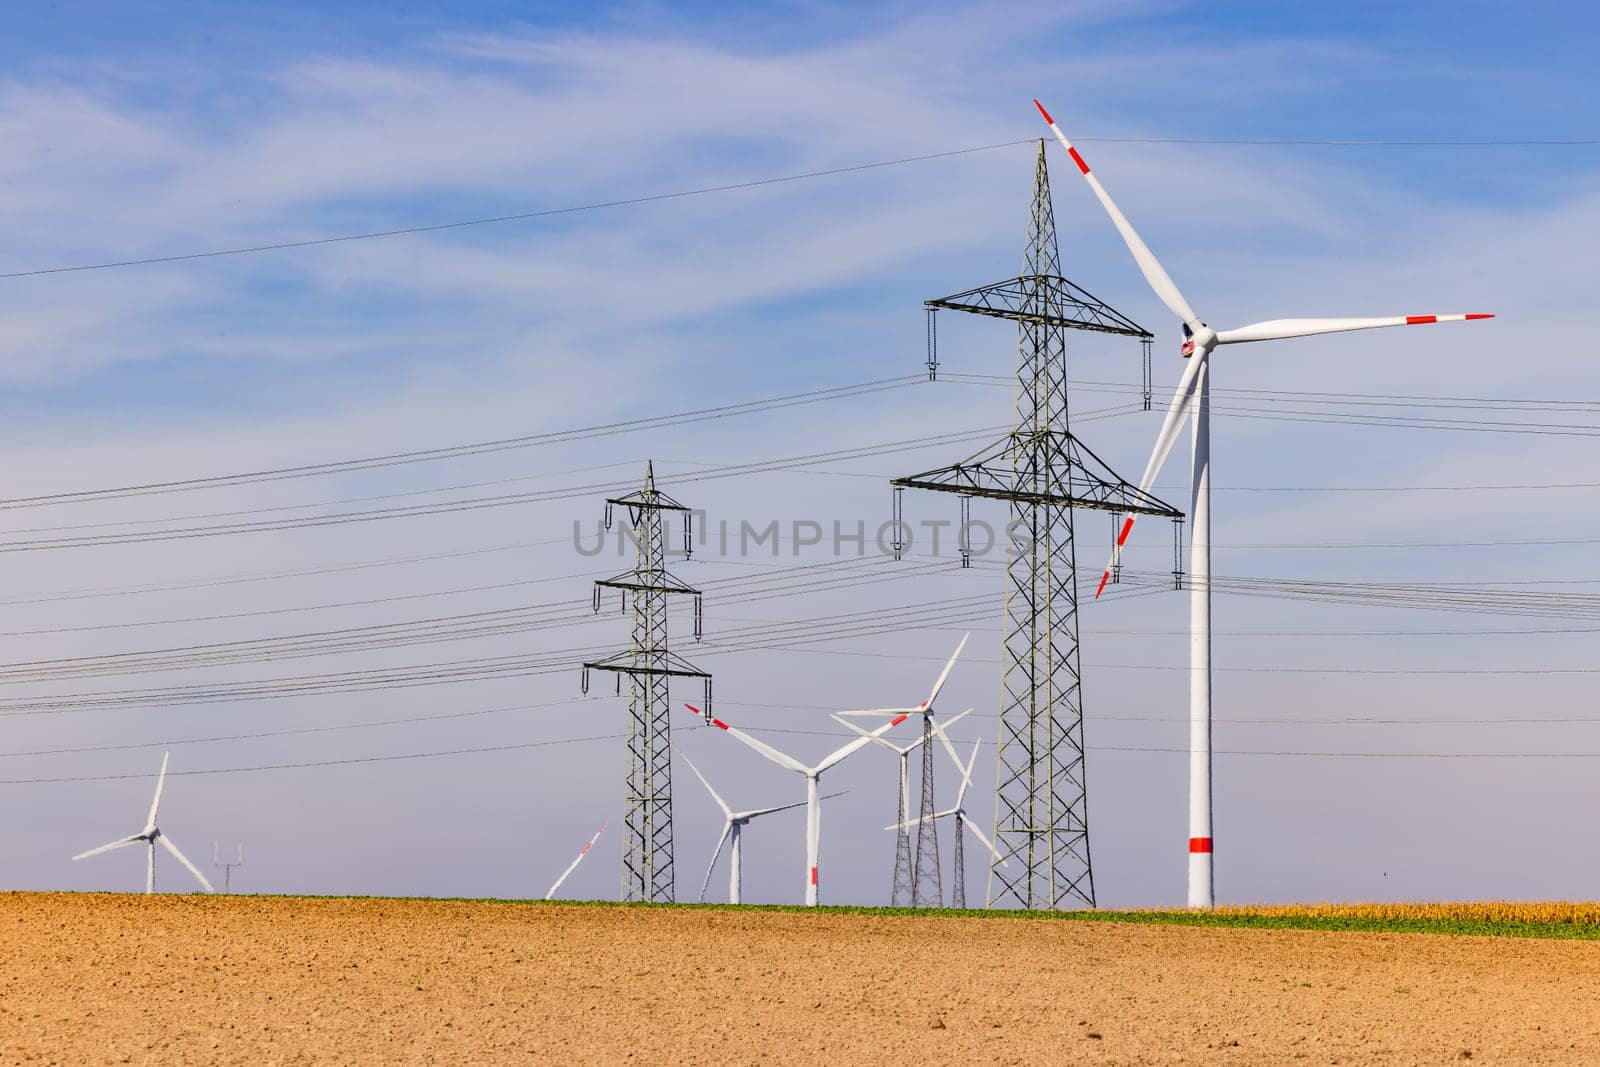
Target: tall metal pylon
[902,892]
[927,887]
[647,873]
[1043,472]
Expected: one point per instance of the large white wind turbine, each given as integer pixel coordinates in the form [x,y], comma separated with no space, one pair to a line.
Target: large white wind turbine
[1194,395]
[150,835]
[813,775]
[733,824]
[582,852]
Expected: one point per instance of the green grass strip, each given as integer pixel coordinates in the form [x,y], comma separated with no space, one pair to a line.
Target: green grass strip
[1237,920]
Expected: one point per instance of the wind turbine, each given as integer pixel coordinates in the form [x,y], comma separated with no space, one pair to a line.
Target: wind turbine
[1194,395]
[903,798]
[959,812]
[813,775]
[582,852]
[150,835]
[733,825]
[924,866]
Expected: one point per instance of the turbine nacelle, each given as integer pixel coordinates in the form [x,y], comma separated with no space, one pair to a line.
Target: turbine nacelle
[150,836]
[1202,340]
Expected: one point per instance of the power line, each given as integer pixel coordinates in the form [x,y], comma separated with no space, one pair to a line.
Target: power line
[100,592]
[355,760]
[1347,143]
[475,448]
[1089,385]
[366,724]
[521,216]
[317,763]
[466,504]
[683,194]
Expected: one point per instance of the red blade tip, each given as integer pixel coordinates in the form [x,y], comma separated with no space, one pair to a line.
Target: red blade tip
[1104,578]
[1043,112]
[692,708]
[1472,318]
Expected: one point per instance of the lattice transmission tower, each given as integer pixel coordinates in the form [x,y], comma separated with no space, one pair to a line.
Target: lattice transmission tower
[1043,472]
[647,873]
[927,888]
[902,892]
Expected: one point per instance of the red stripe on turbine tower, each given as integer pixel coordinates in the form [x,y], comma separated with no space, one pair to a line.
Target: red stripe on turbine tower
[1199,844]
[813,876]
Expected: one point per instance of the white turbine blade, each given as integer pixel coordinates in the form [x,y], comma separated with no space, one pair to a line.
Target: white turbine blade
[840,753]
[720,802]
[966,774]
[784,807]
[945,674]
[877,713]
[944,738]
[166,843]
[131,839]
[716,853]
[970,825]
[582,852]
[1171,426]
[762,747]
[1277,329]
[1149,266]
[864,732]
[155,802]
[918,820]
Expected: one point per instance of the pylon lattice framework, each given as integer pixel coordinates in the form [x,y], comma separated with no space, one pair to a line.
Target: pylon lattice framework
[901,891]
[927,887]
[647,873]
[1043,472]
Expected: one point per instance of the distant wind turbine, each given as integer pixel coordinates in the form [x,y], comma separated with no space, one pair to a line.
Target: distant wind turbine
[959,812]
[150,835]
[733,824]
[902,849]
[813,775]
[584,851]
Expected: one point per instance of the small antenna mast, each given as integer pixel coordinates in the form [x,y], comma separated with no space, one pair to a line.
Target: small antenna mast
[227,868]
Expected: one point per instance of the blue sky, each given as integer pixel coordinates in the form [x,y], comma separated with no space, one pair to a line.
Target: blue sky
[131,134]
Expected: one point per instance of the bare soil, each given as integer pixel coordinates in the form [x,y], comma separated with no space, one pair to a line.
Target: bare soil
[129,979]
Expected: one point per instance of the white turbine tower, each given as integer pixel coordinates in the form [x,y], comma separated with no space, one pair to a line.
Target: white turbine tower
[1194,395]
[813,775]
[150,835]
[733,824]
[582,852]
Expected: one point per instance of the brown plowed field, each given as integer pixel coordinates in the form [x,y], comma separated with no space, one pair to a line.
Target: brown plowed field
[104,978]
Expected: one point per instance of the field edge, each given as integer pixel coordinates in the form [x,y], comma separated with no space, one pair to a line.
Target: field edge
[1583,925]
